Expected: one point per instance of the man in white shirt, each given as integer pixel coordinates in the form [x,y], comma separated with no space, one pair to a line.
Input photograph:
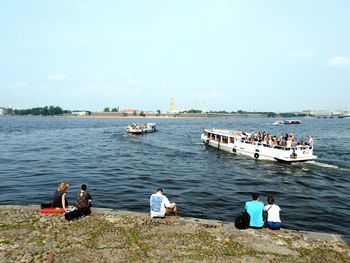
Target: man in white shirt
[160,205]
[273,211]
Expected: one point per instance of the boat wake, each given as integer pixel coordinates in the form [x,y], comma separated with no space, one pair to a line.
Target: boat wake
[327,165]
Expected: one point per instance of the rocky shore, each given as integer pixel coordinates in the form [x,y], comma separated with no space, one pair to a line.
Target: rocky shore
[120,236]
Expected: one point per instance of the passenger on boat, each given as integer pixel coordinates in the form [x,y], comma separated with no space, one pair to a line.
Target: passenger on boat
[292,138]
[275,140]
[255,209]
[60,196]
[280,139]
[160,205]
[269,141]
[273,214]
[310,141]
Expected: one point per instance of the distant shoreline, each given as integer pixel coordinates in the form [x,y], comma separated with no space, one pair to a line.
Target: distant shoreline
[165,115]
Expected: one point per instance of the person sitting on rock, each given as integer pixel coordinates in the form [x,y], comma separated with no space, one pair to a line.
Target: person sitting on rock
[160,205]
[82,209]
[255,209]
[60,196]
[273,214]
[84,198]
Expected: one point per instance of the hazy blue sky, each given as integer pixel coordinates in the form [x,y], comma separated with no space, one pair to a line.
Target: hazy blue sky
[250,55]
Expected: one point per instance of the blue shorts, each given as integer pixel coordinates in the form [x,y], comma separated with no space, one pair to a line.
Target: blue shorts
[273,225]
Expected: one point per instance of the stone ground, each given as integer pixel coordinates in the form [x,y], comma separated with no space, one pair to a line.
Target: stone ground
[120,236]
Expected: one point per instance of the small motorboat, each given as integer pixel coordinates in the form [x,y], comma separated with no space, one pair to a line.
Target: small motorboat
[287,122]
[140,128]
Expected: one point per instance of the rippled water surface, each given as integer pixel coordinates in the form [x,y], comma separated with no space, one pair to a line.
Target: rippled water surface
[121,170]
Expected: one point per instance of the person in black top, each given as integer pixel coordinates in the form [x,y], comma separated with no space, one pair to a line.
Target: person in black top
[60,196]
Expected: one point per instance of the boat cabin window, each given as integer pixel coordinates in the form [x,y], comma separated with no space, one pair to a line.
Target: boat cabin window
[232,140]
[218,138]
[224,139]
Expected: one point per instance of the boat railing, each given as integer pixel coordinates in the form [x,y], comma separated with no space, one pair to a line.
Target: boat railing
[297,147]
[280,147]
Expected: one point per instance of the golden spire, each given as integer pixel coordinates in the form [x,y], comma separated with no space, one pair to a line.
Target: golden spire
[172,104]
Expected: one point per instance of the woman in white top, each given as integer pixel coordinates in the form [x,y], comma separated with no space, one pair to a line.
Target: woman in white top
[273,214]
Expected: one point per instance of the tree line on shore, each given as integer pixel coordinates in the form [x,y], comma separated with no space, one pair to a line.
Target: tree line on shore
[38,111]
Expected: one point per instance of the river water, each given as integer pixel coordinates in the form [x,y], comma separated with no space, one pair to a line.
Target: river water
[121,171]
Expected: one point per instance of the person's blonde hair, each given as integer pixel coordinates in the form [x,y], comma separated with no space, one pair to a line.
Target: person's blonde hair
[63,186]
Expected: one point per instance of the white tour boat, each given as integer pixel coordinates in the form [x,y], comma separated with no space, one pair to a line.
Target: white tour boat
[240,143]
[139,128]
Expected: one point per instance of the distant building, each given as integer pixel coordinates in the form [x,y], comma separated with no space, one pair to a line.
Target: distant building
[2,112]
[323,113]
[149,112]
[130,111]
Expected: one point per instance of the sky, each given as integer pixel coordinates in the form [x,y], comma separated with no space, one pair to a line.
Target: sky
[270,55]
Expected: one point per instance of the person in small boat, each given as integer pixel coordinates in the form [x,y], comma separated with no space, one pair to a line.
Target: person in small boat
[160,205]
[60,196]
[273,214]
[84,198]
[255,209]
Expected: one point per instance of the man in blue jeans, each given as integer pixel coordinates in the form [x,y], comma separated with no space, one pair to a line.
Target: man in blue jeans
[255,209]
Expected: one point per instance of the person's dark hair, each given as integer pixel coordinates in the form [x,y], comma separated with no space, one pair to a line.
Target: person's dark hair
[83,187]
[270,200]
[255,196]
[160,190]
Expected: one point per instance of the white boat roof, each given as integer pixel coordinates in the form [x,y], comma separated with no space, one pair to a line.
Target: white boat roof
[149,123]
[226,132]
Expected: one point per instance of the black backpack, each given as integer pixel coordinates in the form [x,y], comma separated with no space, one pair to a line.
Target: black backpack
[78,213]
[242,221]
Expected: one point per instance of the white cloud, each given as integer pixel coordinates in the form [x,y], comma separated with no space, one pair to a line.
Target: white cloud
[212,94]
[98,77]
[20,88]
[339,61]
[303,53]
[21,84]
[126,73]
[132,82]
[59,77]
[100,89]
